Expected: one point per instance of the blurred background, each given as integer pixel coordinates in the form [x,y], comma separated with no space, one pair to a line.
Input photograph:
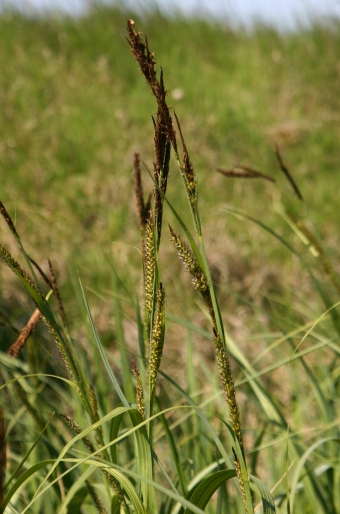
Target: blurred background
[283,14]
[242,76]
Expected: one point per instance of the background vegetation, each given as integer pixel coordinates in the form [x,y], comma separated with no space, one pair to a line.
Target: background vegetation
[74,111]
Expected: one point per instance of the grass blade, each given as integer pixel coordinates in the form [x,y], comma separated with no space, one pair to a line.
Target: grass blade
[102,352]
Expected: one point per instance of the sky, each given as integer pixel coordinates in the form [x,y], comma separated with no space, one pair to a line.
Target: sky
[284,14]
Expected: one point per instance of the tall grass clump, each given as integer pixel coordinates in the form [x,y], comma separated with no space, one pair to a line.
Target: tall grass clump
[90,432]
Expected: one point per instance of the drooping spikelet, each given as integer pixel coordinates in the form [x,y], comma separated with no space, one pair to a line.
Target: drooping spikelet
[7,258]
[95,498]
[78,430]
[190,262]
[200,283]
[198,276]
[157,339]
[68,358]
[226,376]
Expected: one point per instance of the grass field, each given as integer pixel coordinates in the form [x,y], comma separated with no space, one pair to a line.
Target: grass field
[75,109]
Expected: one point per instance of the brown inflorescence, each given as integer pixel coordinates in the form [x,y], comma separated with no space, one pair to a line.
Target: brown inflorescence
[164,131]
[146,60]
[241,171]
[15,348]
[57,293]
[8,220]
[142,208]
[287,173]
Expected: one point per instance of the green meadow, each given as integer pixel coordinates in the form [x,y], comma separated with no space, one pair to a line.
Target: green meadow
[148,381]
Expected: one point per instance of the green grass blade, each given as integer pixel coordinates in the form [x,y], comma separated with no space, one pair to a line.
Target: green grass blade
[205,490]
[116,412]
[325,297]
[23,460]
[263,397]
[67,505]
[144,461]
[301,464]
[125,363]
[266,497]
[21,480]
[175,456]
[203,418]
[102,353]
[77,500]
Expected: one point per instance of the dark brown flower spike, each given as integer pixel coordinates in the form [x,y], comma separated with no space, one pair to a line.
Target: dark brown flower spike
[241,171]
[56,291]
[138,190]
[146,60]
[41,273]
[144,57]
[287,172]
[26,332]
[164,131]
[188,170]
[8,220]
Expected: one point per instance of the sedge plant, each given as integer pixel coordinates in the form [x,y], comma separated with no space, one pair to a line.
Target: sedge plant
[116,441]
